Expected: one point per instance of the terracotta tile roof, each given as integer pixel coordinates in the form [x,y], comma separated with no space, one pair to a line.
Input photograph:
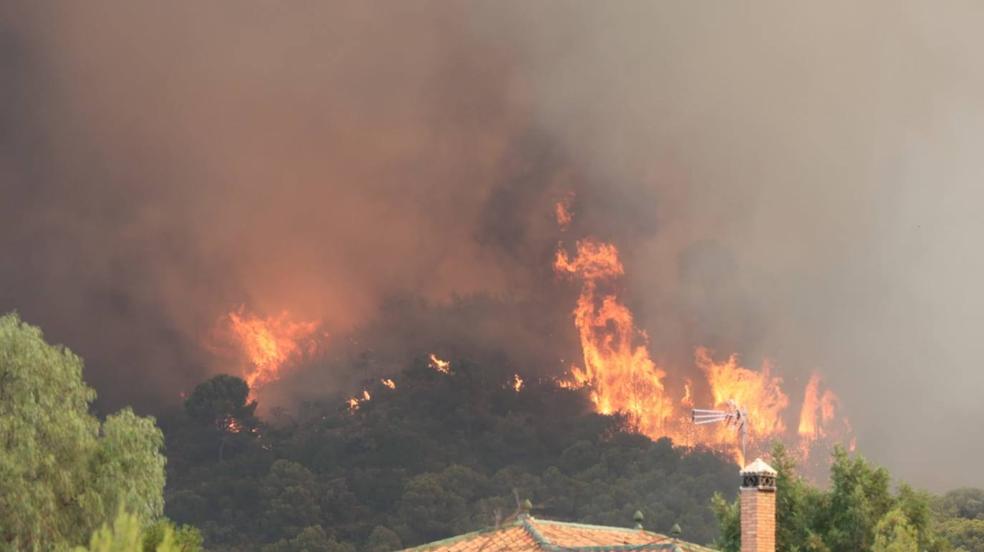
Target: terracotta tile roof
[528,534]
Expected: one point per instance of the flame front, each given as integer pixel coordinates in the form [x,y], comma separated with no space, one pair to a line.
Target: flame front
[617,367]
[818,417]
[268,343]
[620,376]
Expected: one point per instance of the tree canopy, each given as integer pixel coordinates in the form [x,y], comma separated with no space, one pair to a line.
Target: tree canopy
[63,473]
[439,455]
[859,511]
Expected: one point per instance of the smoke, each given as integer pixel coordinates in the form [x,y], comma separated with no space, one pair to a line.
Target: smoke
[791,182]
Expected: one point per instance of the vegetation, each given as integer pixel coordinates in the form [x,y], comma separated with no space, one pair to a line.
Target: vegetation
[859,511]
[437,456]
[129,533]
[962,515]
[62,472]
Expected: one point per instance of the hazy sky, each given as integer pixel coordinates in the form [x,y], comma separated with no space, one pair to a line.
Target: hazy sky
[792,181]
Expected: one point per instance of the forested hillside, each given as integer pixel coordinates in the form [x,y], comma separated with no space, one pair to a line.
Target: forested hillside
[437,455]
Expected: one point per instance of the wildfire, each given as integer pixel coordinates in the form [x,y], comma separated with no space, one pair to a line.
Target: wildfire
[517,383]
[388,383]
[268,343]
[818,416]
[442,366]
[617,367]
[232,425]
[562,211]
[355,402]
[757,391]
[620,376]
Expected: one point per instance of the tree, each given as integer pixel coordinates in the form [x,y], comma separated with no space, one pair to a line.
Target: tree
[894,533]
[184,538]
[127,535]
[311,539]
[965,535]
[858,513]
[221,399]
[222,405]
[383,539]
[62,472]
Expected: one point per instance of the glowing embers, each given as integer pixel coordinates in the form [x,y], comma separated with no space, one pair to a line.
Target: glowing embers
[355,402]
[442,366]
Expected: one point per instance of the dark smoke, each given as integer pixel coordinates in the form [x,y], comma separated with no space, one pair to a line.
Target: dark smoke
[791,182]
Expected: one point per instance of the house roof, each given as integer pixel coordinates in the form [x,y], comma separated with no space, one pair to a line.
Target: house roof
[527,534]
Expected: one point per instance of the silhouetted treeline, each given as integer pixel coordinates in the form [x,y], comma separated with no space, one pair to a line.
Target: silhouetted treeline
[437,456]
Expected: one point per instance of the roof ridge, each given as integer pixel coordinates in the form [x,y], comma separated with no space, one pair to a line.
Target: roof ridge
[602,527]
[534,533]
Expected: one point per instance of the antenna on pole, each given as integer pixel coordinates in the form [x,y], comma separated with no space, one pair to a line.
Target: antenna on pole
[735,416]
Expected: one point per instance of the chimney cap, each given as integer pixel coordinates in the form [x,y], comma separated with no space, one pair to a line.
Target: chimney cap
[758,467]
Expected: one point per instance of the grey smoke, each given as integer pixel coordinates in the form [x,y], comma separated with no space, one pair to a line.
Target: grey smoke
[793,182]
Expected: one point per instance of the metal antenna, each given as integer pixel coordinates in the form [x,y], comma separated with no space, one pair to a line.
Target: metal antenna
[735,416]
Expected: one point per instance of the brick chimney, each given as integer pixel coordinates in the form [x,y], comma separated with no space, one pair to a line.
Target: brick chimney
[758,507]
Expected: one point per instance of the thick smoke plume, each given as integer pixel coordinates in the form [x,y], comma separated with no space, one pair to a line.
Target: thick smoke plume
[793,182]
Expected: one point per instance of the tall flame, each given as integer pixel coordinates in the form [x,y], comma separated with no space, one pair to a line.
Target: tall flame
[620,376]
[617,367]
[818,416]
[268,342]
[562,211]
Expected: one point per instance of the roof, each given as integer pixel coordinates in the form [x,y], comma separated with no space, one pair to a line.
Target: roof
[530,534]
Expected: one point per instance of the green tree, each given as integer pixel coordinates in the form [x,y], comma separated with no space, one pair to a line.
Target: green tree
[184,538]
[221,399]
[858,513]
[383,539]
[965,535]
[894,533]
[222,406]
[729,521]
[62,473]
[311,539]
[127,535]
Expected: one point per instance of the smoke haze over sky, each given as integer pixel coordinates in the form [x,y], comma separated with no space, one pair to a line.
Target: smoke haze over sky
[796,182]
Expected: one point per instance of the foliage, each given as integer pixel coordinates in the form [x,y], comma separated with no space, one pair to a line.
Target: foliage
[963,534]
[859,511]
[962,514]
[184,538]
[894,533]
[437,456]
[62,472]
[127,535]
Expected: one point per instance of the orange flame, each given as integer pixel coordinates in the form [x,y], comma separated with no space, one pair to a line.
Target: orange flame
[621,377]
[617,367]
[268,343]
[517,383]
[442,366]
[818,415]
[388,383]
[562,210]
[355,402]
[232,425]
[757,391]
